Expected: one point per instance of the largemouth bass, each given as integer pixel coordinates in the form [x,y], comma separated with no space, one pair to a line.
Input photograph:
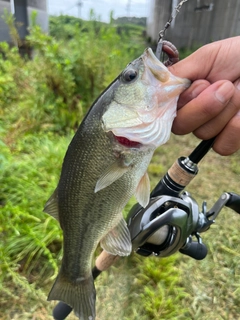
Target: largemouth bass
[105,164]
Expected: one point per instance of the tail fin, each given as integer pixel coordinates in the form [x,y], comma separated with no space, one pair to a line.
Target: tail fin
[80,295]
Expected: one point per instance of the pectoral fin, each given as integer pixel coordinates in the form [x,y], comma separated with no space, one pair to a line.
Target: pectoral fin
[51,206]
[142,193]
[118,240]
[111,174]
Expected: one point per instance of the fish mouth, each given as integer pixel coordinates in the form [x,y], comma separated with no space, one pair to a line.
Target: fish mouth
[161,72]
[126,142]
[143,115]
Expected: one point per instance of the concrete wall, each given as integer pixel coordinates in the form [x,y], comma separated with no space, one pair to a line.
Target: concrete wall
[41,7]
[198,22]
[32,5]
[4,34]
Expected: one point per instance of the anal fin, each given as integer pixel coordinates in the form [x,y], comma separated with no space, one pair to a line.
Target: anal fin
[118,240]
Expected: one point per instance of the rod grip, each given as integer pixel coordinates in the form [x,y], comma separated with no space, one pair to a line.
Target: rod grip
[105,260]
[180,175]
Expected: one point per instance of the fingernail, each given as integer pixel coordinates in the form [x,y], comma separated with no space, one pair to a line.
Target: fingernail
[224,92]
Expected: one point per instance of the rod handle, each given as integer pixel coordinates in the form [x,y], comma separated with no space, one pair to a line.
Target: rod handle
[105,260]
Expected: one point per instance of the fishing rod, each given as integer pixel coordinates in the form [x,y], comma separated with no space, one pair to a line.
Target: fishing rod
[172,221]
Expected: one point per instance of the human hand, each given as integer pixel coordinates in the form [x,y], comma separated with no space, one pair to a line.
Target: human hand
[211,105]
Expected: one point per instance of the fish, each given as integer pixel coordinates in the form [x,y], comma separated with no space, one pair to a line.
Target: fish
[105,165]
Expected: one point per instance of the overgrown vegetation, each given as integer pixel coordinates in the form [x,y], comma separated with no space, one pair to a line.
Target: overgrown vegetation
[42,101]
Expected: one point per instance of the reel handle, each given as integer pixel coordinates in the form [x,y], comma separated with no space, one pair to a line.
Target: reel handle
[234,202]
[195,249]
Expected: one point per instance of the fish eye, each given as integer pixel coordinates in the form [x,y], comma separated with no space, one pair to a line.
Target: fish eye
[130,75]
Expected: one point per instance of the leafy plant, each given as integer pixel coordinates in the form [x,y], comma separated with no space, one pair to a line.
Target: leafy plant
[52,90]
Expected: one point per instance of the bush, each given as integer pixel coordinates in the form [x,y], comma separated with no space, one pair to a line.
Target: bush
[55,88]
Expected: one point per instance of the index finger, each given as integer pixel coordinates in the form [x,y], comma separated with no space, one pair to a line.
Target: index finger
[207,106]
[194,66]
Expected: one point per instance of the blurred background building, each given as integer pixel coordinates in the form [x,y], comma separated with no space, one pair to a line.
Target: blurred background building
[22,10]
[199,21]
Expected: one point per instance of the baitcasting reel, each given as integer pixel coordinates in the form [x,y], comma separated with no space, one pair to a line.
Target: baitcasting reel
[172,217]
[168,224]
